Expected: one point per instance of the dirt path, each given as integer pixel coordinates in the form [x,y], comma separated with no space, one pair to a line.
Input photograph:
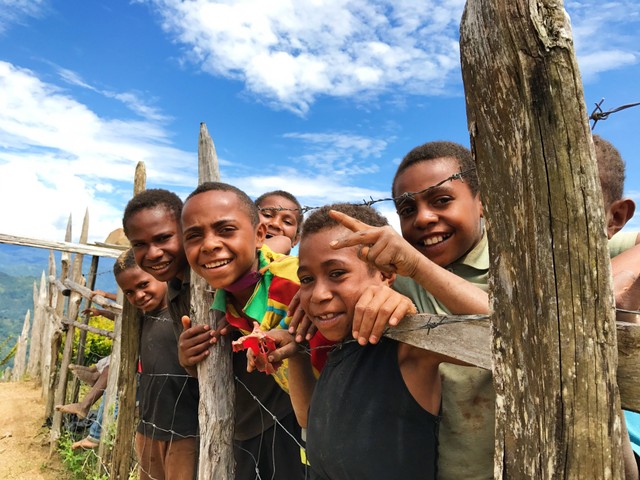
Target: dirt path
[24,451]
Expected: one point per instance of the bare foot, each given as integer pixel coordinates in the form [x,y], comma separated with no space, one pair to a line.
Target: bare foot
[85,374]
[73,408]
[84,443]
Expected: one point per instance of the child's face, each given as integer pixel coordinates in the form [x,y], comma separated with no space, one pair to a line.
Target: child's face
[445,222]
[219,240]
[331,282]
[156,240]
[280,222]
[142,290]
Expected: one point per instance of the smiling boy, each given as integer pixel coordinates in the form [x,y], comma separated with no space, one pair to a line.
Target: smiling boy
[222,237]
[373,412]
[166,439]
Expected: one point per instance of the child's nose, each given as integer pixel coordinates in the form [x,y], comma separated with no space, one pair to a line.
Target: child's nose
[425,217]
[210,242]
[154,252]
[320,293]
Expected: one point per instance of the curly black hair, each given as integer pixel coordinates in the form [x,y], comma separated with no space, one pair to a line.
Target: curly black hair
[610,170]
[441,149]
[320,220]
[251,208]
[125,261]
[152,198]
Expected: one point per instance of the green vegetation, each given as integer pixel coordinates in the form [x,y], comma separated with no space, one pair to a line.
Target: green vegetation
[84,464]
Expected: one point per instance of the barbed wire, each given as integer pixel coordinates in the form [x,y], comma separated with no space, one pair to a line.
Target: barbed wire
[399,200]
[598,114]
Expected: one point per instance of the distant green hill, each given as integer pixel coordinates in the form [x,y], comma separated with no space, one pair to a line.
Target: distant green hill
[19,268]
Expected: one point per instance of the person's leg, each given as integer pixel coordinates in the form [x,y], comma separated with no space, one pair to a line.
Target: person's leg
[151,454]
[88,375]
[81,409]
[181,461]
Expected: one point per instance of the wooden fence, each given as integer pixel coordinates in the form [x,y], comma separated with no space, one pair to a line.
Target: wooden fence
[535,67]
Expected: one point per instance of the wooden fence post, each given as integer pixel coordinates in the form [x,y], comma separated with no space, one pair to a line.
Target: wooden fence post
[57,302]
[117,454]
[35,345]
[19,360]
[72,313]
[216,412]
[554,337]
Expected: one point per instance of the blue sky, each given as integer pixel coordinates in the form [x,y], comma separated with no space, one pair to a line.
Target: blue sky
[321,98]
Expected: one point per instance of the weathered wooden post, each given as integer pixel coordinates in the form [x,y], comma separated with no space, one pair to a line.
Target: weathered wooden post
[19,359]
[122,377]
[82,340]
[72,314]
[554,337]
[215,373]
[57,303]
[35,345]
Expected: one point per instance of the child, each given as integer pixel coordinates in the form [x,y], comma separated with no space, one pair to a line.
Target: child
[151,222]
[282,214]
[166,438]
[437,198]
[222,237]
[355,428]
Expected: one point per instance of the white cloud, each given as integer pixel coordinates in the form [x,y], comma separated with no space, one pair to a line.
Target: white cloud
[130,99]
[605,34]
[57,155]
[16,11]
[340,154]
[290,53]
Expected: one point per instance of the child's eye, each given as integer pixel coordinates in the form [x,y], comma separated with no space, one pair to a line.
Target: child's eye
[227,229]
[191,235]
[137,245]
[441,201]
[406,210]
[266,213]
[306,279]
[336,273]
[144,284]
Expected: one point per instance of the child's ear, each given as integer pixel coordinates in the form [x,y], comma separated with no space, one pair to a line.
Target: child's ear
[619,213]
[261,234]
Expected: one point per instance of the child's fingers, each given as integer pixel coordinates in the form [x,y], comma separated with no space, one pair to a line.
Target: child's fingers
[347,221]
[366,315]
[286,351]
[294,307]
[186,322]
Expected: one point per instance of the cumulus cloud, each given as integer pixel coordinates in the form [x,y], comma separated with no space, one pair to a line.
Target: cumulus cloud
[56,153]
[290,53]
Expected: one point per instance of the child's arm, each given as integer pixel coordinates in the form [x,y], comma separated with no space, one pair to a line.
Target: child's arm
[94,312]
[194,344]
[385,249]
[626,283]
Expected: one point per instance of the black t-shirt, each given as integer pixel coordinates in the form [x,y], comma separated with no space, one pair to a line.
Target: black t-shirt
[168,396]
[363,421]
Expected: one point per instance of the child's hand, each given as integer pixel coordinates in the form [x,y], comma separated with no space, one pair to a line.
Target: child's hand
[194,343]
[300,324]
[287,346]
[377,308]
[102,293]
[381,247]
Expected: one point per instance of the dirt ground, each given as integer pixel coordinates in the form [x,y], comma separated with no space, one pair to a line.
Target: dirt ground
[24,451]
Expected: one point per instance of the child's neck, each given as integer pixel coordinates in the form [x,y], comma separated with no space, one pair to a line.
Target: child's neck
[242,289]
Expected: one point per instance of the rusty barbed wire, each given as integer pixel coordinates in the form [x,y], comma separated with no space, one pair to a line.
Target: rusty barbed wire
[598,114]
